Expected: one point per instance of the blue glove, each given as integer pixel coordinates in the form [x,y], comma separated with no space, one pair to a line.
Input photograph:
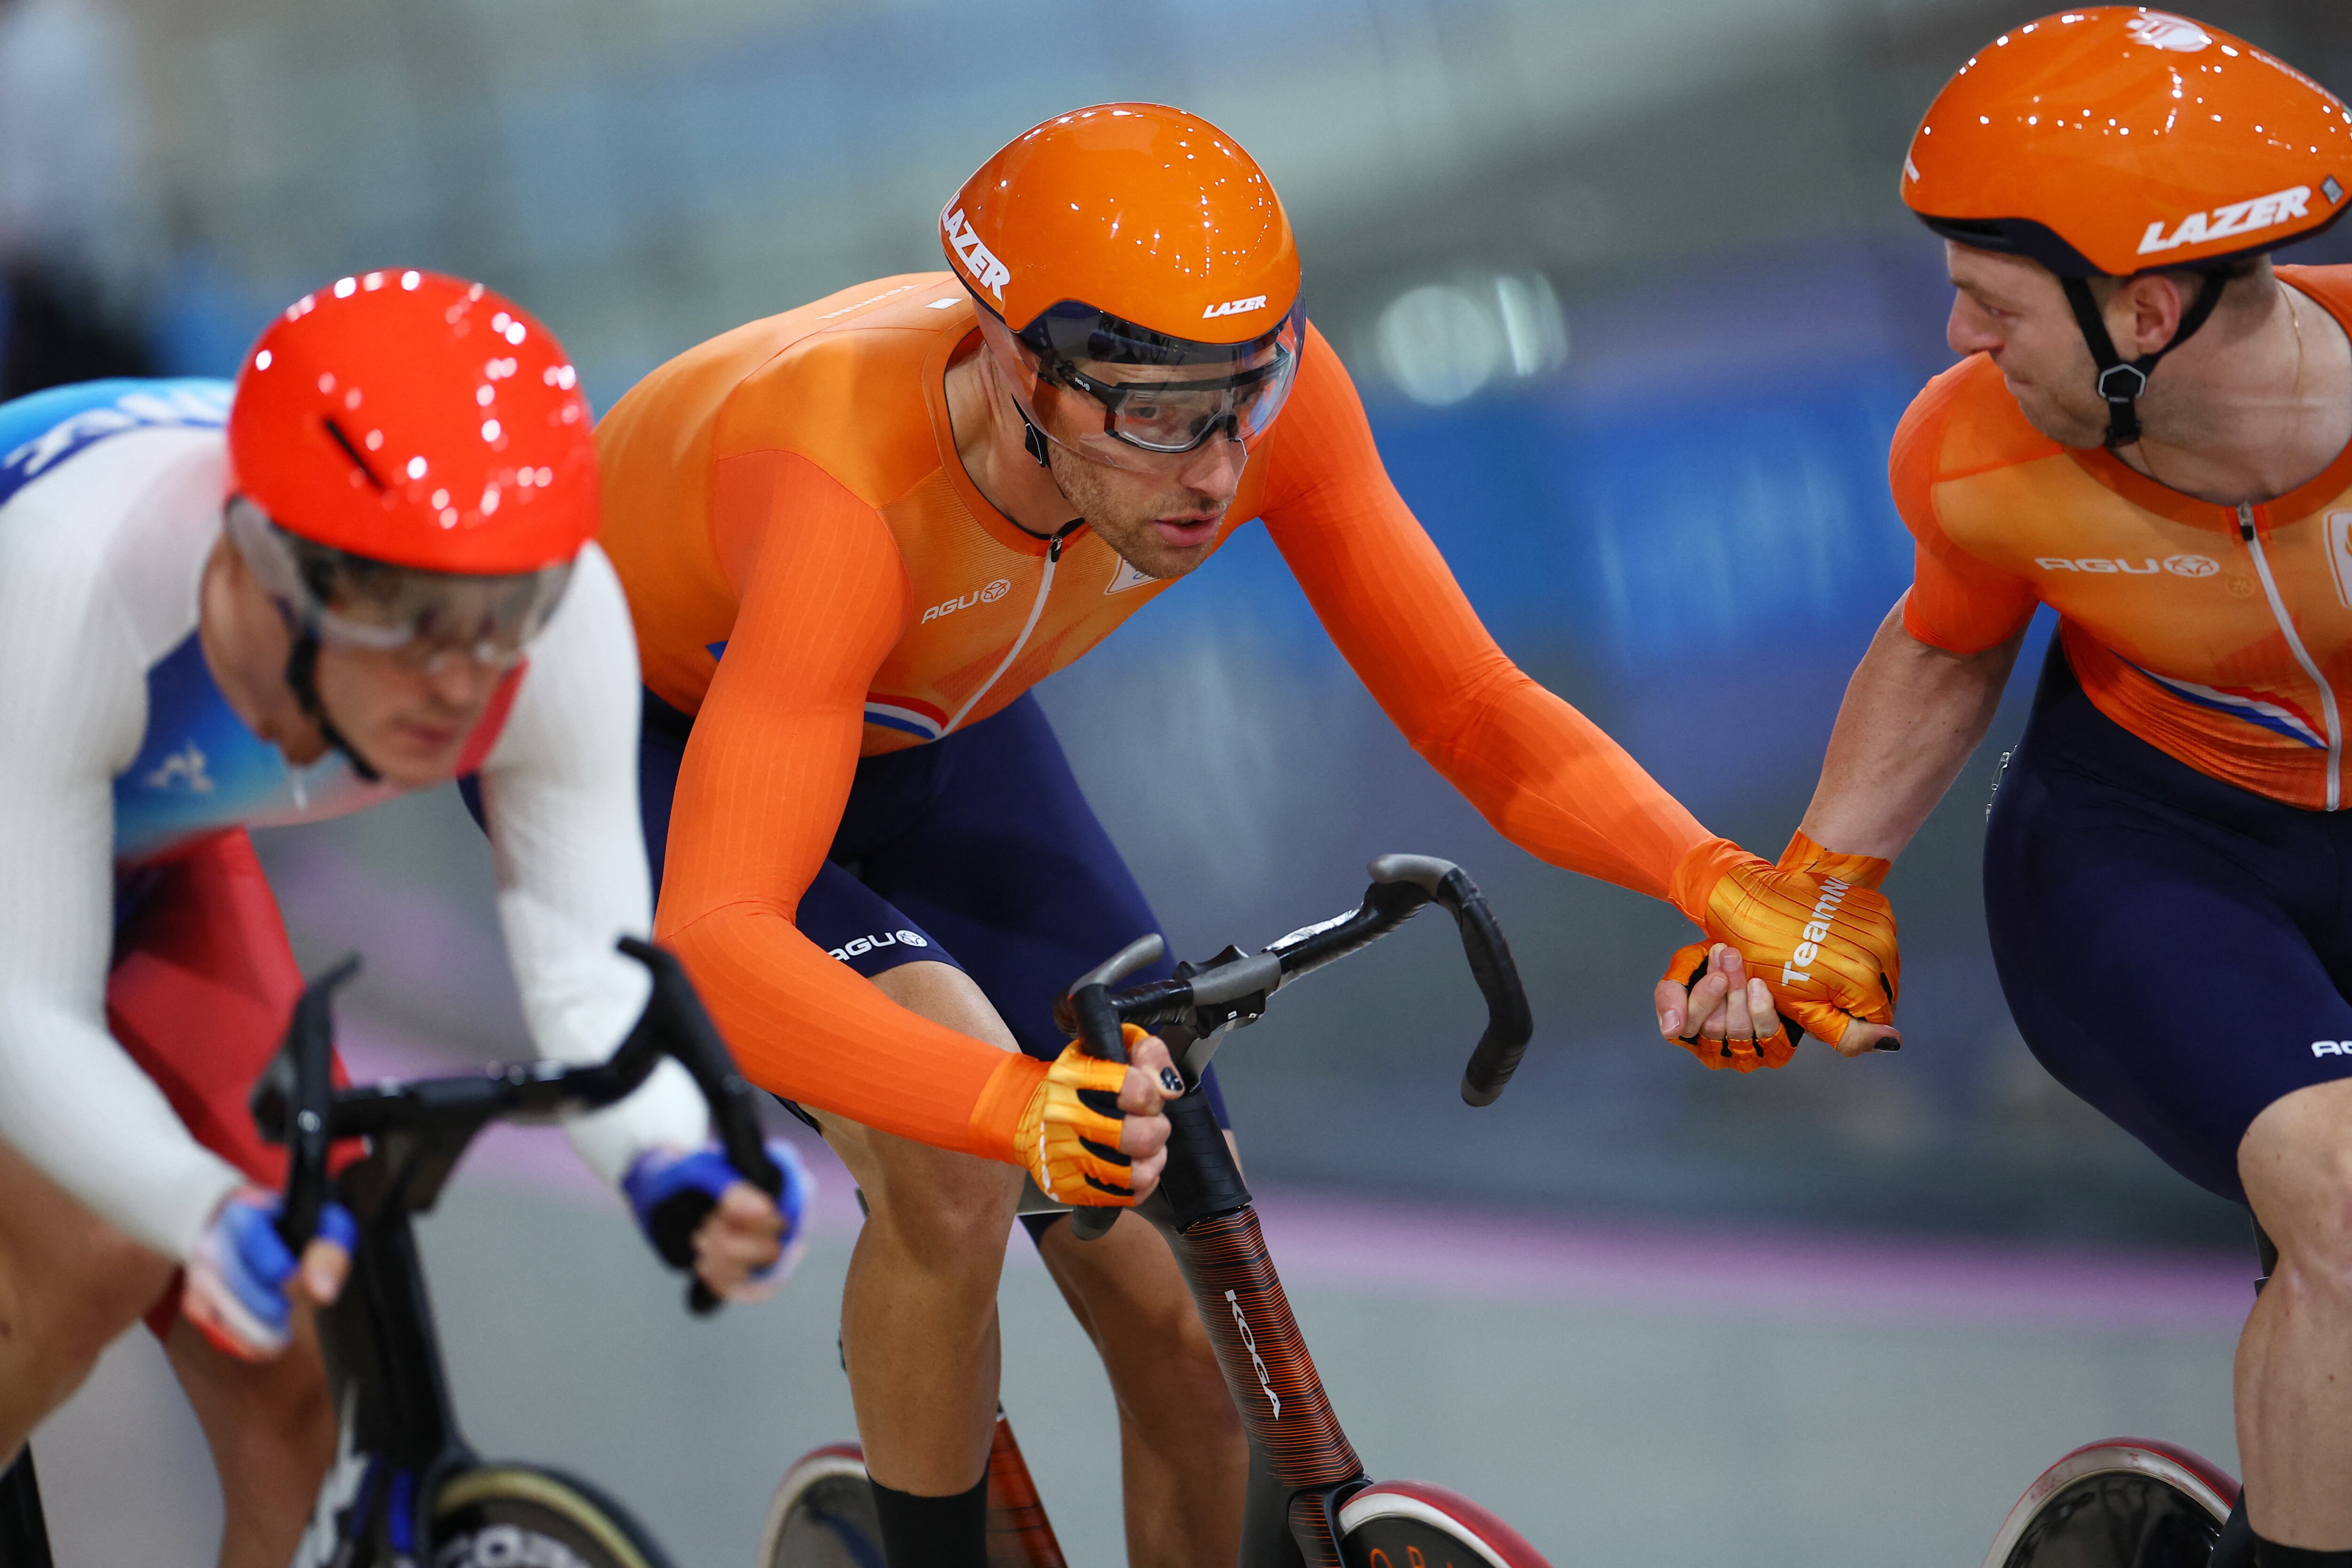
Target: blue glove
[235,1293]
[673,1194]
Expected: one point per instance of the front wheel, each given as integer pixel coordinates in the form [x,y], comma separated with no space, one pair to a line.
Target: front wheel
[822,1514]
[2125,1502]
[517,1516]
[1412,1524]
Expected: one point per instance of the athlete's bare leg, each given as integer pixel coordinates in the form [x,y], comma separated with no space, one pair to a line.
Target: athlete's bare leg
[920,1327]
[918,1315]
[69,1283]
[1183,1459]
[2293,1396]
[271,1426]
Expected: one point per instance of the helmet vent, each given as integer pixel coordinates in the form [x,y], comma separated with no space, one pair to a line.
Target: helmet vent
[352,452]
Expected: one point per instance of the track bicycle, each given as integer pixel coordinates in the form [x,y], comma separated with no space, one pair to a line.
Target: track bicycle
[1310,1504]
[2132,1502]
[405,1491]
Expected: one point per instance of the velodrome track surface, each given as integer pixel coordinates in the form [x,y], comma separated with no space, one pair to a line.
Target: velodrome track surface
[1623,1394]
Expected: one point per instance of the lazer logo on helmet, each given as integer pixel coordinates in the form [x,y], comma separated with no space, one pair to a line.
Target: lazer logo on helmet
[979,261]
[2146,566]
[1235,306]
[2228,222]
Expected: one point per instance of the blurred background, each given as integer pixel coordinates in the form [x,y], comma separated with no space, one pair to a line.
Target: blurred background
[1635,308]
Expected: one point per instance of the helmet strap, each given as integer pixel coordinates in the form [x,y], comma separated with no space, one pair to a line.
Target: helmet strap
[302,679]
[2123,382]
[1033,440]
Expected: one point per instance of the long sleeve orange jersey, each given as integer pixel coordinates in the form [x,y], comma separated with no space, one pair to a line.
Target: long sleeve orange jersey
[789,495]
[2222,635]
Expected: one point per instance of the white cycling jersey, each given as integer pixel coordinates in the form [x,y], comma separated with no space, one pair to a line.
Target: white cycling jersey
[116,746]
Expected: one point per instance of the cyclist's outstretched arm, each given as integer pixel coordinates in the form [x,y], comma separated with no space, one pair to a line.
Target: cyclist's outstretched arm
[73,703]
[1546,776]
[1543,773]
[1912,714]
[560,796]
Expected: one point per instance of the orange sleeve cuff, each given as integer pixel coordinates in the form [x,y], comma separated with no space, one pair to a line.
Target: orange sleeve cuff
[996,1114]
[1696,873]
[1862,870]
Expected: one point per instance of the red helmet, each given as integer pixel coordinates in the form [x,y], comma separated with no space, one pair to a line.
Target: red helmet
[2115,139]
[415,419]
[411,469]
[1131,234]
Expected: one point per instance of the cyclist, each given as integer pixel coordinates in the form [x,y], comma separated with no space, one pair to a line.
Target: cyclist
[855,535]
[399,588]
[2164,867]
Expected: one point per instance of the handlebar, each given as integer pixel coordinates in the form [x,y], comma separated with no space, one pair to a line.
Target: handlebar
[295,1100]
[1232,988]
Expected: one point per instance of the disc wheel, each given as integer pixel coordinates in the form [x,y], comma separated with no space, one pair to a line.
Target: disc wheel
[517,1516]
[2125,1502]
[1412,1524]
[822,1514]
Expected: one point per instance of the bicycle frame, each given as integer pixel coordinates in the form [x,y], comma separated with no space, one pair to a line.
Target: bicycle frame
[1302,1467]
[399,1438]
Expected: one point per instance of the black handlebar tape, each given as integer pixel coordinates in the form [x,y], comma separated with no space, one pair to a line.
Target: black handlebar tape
[1510,1022]
[1098,1019]
[676,1018]
[306,1103]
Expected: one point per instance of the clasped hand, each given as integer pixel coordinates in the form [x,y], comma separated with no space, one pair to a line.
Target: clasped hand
[1808,944]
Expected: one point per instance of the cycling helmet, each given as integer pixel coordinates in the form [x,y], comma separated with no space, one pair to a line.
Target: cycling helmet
[2115,139]
[412,469]
[1131,235]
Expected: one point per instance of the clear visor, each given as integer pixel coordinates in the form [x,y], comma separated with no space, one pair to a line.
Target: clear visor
[1123,395]
[420,617]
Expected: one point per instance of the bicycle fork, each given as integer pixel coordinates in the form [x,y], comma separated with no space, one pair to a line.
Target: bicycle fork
[1302,1467]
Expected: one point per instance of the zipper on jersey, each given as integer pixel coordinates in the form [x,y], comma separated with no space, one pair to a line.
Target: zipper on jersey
[1037,609]
[2302,656]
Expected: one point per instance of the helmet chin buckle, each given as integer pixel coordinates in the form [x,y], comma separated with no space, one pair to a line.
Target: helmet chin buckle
[2122,382]
[1033,440]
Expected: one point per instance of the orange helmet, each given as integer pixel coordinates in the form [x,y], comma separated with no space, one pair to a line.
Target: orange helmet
[412,469]
[2115,139]
[1131,234]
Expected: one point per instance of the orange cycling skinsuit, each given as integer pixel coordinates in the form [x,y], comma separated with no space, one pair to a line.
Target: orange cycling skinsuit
[824,594]
[2176,790]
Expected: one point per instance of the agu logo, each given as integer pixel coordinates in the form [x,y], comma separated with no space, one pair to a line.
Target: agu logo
[2331,1048]
[987,595]
[2146,566]
[859,946]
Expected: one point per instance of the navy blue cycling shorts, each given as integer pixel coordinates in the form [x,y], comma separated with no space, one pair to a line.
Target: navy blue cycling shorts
[2175,950]
[976,851]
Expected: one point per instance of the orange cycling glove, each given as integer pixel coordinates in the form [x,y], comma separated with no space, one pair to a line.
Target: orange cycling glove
[1813,928]
[1069,1136]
